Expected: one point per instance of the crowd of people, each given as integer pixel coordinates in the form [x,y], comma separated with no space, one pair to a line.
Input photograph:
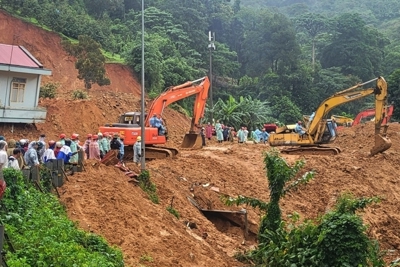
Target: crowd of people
[25,153]
[226,133]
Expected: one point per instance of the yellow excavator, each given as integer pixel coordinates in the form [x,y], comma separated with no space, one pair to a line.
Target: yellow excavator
[320,131]
[342,120]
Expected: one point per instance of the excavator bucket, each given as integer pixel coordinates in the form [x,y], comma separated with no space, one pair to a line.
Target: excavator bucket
[192,140]
[381,144]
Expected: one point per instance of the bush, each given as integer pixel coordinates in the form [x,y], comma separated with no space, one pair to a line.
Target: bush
[41,233]
[49,90]
[337,239]
[79,94]
[147,186]
[173,212]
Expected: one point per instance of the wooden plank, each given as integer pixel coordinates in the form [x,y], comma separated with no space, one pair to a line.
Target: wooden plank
[79,167]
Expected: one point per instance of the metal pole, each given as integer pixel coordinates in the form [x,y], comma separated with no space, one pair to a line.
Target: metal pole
[211,86]
[143,134]
[211,46]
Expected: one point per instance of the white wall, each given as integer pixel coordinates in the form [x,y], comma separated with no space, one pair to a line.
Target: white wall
[31,90]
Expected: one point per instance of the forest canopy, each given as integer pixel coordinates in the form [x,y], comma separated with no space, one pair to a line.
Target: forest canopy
[288,54]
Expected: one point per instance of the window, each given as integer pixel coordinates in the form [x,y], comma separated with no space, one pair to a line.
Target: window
[17,90]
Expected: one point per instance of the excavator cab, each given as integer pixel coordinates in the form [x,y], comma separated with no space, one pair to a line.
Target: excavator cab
[329,134]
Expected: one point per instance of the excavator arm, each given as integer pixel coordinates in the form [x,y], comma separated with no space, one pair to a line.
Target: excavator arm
[175,93]
[342,120]
[316,132]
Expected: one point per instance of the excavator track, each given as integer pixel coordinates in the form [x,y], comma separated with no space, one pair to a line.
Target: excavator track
[152,152]
[312,150]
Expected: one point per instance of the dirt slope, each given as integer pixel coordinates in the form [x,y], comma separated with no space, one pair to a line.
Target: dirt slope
[46,47]
[148,229]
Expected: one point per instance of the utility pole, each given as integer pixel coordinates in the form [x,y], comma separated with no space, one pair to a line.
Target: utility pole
[142,118]
[211,46]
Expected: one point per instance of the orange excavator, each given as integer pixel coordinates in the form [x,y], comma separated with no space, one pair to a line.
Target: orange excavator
[129,124]
[369,115]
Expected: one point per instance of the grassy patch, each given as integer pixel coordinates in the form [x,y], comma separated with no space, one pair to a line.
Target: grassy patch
[113,58]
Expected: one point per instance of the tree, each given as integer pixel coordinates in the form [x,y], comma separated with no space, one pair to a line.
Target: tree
[314,24]
[282,178]
[90,61]
[270,45]
[224,61]
[356,48]
[336,239]
[286,111]
[394,91]
[245,112]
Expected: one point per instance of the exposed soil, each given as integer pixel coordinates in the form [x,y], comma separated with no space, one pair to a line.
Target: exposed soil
[46,47]
[235,170]
[103,201]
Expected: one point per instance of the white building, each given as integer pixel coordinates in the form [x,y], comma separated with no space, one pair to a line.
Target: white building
[20,76]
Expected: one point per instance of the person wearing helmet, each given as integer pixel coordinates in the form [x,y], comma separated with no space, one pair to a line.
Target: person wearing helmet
[65,152]
[86,144]
[49,152]
[137,150]
[106,142]
[101,145]
[62,139]
[94,150]
[74,150]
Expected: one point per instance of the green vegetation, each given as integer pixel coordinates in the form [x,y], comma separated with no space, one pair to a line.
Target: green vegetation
[146,257]
[148,187]
[289,55]
[90,61]
[49,90]
[336,239]
[173,211]
[79,94]
[42,235]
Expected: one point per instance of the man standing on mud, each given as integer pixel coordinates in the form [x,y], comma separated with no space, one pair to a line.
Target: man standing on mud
[137,150]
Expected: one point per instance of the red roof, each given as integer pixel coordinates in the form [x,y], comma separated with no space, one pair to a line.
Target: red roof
[17,56]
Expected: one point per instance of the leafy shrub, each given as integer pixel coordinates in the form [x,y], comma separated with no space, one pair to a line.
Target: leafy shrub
[49,90]
[337,239]
[79,94]
[147,186]
[42,234]
[173,212]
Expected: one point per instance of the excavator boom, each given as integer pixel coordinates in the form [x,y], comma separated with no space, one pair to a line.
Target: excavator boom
[321,131]
[129,124]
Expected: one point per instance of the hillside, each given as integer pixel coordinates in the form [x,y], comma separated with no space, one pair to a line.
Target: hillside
[46,47]
[103,201]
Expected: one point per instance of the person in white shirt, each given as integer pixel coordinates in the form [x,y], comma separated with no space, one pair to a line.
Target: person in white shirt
[13,160]
[3,154]
[49,152]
